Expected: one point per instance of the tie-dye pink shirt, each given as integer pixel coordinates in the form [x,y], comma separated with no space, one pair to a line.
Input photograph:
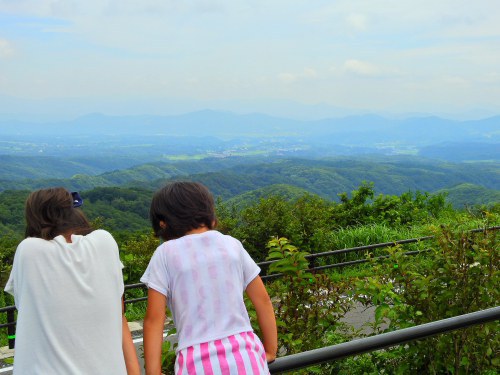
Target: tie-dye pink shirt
[203,277]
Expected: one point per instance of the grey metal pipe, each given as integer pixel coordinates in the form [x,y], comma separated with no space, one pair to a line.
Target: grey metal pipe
[368,344]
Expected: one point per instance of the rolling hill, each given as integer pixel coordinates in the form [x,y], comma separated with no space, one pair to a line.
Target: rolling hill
[325,177]
[467,195]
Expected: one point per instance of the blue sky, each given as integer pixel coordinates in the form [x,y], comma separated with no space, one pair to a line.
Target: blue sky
[290,58]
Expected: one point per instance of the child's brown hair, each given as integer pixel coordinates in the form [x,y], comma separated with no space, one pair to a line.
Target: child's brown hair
[182,206]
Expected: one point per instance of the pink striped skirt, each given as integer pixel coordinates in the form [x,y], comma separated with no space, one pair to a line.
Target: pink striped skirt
[240,354]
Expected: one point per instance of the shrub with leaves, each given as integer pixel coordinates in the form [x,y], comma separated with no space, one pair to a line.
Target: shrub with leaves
[135,254]
[459,274]
[308,307]
[168,352]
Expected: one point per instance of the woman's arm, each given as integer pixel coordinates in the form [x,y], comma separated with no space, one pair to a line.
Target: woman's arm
[153,331]
[129,352]
[257,293]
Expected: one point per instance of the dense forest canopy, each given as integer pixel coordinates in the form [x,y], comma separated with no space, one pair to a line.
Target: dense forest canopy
[229,177]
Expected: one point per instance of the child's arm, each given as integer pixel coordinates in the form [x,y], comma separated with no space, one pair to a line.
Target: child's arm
[129,352]
[153,331]
[257,293]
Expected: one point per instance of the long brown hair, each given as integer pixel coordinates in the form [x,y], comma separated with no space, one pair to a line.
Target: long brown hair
[50,212]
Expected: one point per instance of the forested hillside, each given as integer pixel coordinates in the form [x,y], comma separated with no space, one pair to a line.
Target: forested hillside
[327,178]
[125,209]
[467,195]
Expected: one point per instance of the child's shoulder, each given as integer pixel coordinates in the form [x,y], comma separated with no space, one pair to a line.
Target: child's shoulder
[223,237]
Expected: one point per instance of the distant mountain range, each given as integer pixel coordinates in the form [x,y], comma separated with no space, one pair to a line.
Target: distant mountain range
[105,143]
[362,130]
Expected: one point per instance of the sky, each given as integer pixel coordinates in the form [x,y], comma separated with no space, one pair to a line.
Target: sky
[293,58]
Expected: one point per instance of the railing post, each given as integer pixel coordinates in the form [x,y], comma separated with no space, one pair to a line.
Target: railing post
[11,328]
[312,263]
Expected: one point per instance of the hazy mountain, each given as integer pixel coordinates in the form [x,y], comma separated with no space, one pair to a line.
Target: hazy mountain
[460,152]
[106,143]
[30,167]
[365,129]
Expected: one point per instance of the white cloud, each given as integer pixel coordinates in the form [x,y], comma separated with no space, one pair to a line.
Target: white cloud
[287,77]
[6,49]
[192,81]
[357,21]
[306,74]
[76,9]
[455,81]
[362,68]
[310,73]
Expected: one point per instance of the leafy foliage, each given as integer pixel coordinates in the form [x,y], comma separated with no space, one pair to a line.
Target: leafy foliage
[120,209]
[458,275]
[309,221]
[168,352]
[308,307]
[135,254]
[12,212]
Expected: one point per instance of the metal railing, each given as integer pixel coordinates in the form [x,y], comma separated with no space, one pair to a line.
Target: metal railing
[10,325]
[10,310]
[265,264]
[384,340]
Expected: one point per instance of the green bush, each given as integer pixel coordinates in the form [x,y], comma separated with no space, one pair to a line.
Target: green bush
[458,275]
[135,253]
[308,307]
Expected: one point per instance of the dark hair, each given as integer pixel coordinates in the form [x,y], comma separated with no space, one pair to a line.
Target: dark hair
[50,212]
[183,206]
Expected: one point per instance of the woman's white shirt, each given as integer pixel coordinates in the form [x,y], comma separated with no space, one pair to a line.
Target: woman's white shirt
[69,300]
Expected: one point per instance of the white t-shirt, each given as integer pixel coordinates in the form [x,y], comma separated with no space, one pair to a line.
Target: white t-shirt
[203,277]
[69,300]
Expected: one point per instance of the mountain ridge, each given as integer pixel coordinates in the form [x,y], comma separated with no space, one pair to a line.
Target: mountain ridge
[231,125]
[325,177]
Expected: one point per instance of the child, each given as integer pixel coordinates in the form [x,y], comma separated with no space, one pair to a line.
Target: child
[202,275]
[68,286]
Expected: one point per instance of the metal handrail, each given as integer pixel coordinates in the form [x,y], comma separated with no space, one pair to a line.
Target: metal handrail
[343,264]
[324,254]
[337,252]
[384,340]
[376,246]
[278,275]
